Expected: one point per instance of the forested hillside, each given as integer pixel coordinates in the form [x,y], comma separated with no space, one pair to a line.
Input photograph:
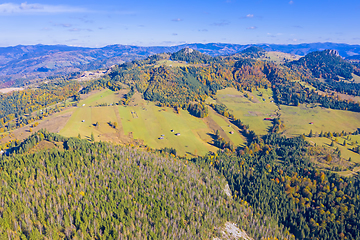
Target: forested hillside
[177,86]
[278,180]
[324,64]
[84,190]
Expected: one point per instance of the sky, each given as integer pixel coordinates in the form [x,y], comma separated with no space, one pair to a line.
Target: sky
[165,23]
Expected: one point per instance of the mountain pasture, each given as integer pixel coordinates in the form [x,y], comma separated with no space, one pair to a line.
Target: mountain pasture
[141,120]
[346,153]
[250,107]
[279,57]
[303,118]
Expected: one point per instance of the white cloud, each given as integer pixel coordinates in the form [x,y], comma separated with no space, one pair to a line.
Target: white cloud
[291,2]
[33,8]
[250,15]
[252,27]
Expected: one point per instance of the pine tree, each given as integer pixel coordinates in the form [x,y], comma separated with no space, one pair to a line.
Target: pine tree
[92,137]
[311,133]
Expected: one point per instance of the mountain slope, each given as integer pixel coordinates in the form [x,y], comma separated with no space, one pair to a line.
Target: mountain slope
[77,189]
[325,64]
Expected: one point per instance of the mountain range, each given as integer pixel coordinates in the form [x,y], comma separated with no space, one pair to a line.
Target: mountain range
[19,63]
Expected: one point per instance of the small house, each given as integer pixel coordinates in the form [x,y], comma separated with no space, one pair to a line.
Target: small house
[161,138]
[162,135]
[177,134]
[232,132]
[311,123]
[84,105]
[83,121]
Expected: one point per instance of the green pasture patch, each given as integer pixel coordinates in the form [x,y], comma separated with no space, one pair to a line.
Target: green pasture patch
[140,120]
[79,122]
[150,122]
[302,119]
[250,111]
[346,151]
[83,121]
[279,57]
[105,96]
[356,78]
[232,132]
[171,63]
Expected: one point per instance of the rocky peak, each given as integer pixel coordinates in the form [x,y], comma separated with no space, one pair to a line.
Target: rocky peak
[188,50]
[332,51]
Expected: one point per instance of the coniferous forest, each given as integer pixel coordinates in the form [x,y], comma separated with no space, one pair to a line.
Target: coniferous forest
[85,190]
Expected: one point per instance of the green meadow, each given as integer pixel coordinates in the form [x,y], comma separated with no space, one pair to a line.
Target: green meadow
[171,63]
[144,121]
[105,96]
[150,122]
[356,78]
[346,151]
[279,57]
[230,129]
[298,120]
[250,110]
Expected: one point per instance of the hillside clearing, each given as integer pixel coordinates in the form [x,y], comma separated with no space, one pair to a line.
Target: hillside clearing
[302,119]
[346,153]
[141,121]
[250,110]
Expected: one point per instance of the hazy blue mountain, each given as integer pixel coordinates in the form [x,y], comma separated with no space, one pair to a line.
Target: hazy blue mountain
[38,61]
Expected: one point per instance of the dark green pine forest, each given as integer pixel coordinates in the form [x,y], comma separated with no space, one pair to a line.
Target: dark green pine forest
[87,190]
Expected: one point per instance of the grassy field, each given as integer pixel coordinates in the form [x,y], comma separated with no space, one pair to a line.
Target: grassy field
[229,129]
[170,63]
[104,96]
[279,57]
[175,63]
[297,120]
[346,151]
[252,109]
[150,122]
[356,78]
[144,121]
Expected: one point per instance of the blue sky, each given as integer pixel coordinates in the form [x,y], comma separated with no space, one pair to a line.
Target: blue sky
[149,23]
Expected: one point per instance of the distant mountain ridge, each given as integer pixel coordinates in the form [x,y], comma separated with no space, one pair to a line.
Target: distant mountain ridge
[39,61]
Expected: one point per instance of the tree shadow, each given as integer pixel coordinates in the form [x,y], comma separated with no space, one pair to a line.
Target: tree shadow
[213,136]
